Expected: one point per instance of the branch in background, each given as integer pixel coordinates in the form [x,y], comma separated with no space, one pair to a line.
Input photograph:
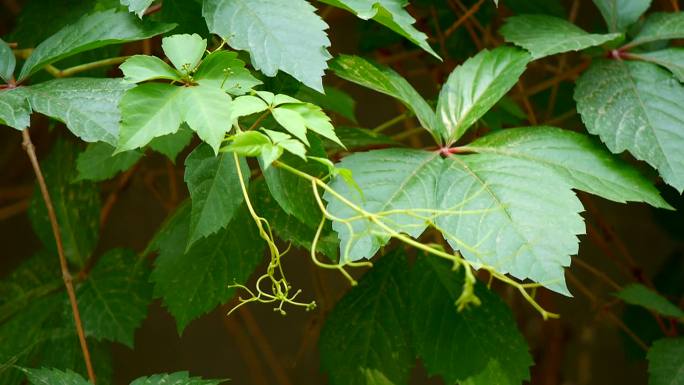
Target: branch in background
[66,275]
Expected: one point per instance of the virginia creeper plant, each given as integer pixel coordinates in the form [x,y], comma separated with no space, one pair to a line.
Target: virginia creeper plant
[437,227]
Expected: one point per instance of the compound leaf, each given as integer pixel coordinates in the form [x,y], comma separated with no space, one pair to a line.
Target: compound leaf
[223,69]
[207,112]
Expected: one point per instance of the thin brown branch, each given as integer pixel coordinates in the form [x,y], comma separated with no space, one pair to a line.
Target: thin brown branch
[539,87]
[531,116]
[13,209]
[250,357]
[66,275]
[122,182]
[467,15]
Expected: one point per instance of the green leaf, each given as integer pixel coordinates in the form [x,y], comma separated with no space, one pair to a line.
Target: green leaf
[666,362]
[355,137]
[88,107]
[207,112]
[489,207]
[137,6]
[583,162]
[637,107]
[292,121]
[113,301]
[369,329]
[285,36]
[91,31]
[333,100]
[185,51]
[7,62]
[188,15]
[98,162]
[475,86]
[298,117]
[387,81]
[249,143]
[247,105]
[223,69]
[458,345]
[215,191]
[547,35]
[149,111]
[172,144]
[670,58]
[178,378]
[620,14]
[77,206]
[640,295]
[140,68]
[195,282]
[390,13]
[15,110]
[660,26]
[47,376]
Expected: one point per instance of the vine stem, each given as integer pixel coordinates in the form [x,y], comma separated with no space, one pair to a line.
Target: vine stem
[84,67]
[66,275]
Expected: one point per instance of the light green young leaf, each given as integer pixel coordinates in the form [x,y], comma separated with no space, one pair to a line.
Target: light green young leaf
[475,86]
[90,32]
[477,335]
[545,35]
[249,143]
[390,13]
[98,162]
[207,110]
[214,189]
[7,62]
[178,378]
[640,295]
[638,107]
[222,69]
[77,206]
[292,121]
[15,110]
[660,26]
[137,6]
[88,107]
[185,51]
[583,162]
[314,119]
[113,301]
[47,376]
[670,58]
[620,14]
[369,329]
[666,362]
[387,81]
[294,147]
[334,100]
[287,36]
[247,105]
[195,282]
[140,68]
[172,144]
[149,111]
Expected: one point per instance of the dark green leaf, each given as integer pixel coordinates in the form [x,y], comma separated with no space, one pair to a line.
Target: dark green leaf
[90,32]
[355,137]
[97,162]
[178,378]
[660,26]
[333,100]
[172,144]
[670,58]
[666,362]
[15,110]
[7,62]
[54,377]
[640,295]
[620,14]
[368,330]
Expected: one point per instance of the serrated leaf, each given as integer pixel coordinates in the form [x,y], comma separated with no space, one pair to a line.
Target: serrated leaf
[114,299]
[249,143]
[666,362]
[140,68]
[47,376]
[292,121]
[640,295]
[247,105]
[15,110]
[475,86]
[286,36]
[670,58]
[149,111]
[637,107]
[207,111]
[387,81]
[137,6]
[543,35]
[98,162]
[333,99]
[172,144]
[660,26]
[77,206]
[583,163]
[316,121]
[185,51]
[620,14]
[195,282]
[88,107]
[215,191]
[488,207]
[223,69]
[458,345]
[89,32]
[178,378]
[368,329]
[7,62]
[390,13]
